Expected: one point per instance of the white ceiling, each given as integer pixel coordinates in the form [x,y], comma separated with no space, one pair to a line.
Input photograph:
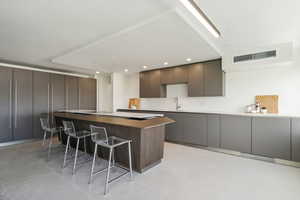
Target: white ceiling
[93,35]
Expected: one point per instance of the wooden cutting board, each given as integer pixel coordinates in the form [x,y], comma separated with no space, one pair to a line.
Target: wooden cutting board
[268,101]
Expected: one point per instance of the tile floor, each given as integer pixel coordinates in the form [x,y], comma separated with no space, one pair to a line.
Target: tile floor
[185,173]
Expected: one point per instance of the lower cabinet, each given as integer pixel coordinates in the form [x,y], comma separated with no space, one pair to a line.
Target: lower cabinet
[274,137]
[195,129]
[296,139]
[271,137]
[236,133]
[213,131]
[174,131]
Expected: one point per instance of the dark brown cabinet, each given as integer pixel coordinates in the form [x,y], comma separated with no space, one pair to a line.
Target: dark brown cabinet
[72,98]
[41,100]
[87,94]
[6,104]
[174,75]
[22,116]
[150,85]
[213,78]
[180,74]
[203,79]
[58,96]
[196,80]
[167,76]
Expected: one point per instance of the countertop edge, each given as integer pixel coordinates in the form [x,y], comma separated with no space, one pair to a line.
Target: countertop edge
[219,113]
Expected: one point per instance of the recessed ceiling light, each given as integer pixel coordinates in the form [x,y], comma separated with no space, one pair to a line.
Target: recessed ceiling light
[166,63]
[145,67]
[200,15]
[125,70]
[97,72]
[189,59]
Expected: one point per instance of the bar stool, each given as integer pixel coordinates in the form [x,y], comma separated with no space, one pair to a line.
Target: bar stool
[71,132]
[51,130]
[99,137]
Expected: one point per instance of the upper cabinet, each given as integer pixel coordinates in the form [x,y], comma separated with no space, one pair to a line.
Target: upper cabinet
[174,75]
[150,85]
[203,79]
[71,86]
[213,78]
[196,80]
[87,93]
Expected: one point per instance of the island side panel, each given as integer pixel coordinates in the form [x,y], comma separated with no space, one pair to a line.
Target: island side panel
[152,146]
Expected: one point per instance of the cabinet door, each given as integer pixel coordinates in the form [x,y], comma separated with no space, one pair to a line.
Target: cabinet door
[180,74]
[296,139]
[6,104]
[23,105]
[213,131]
[271,137]
[72,92]
[213,78]
[87,94]
[155,85]
[41,100]
[236,133]
[174,131]
[144,85]
[167,76]
[196,80]
[58,93]
[195,129]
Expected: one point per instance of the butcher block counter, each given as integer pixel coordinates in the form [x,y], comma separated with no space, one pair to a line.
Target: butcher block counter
[147,133]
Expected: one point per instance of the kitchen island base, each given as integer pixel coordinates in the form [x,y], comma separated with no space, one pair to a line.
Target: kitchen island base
[147,143]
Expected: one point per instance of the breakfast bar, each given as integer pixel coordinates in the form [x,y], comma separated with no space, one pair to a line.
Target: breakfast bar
[146,131]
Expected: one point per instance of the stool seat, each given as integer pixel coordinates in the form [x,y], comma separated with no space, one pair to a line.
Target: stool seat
[111,142]
[80,134]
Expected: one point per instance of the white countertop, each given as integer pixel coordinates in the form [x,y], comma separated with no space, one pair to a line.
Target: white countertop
[116,114]
[130,115]
[289,115]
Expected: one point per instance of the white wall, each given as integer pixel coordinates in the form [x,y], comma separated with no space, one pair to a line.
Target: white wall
[125,86]
[104,92]
[241,89]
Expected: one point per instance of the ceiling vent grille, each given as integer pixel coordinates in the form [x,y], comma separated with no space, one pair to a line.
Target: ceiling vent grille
[255,56]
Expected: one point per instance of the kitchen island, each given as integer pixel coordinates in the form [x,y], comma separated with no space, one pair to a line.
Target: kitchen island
[147,133]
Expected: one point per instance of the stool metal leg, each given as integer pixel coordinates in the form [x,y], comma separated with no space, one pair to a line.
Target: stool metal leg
[130,161]
[93,165]
[84,141]
[45,133]
[108,171]
[76,154]
[49,147]
[66,152]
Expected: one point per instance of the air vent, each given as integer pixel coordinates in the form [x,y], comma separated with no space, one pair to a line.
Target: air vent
[255,56]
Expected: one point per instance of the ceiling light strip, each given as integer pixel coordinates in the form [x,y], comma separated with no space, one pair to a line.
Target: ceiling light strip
[200,15]
[41,70]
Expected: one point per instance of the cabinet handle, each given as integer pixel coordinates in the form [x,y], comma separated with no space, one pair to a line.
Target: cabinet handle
[16,103]
[52,103]
[48,101]
[10,104]
[79,98]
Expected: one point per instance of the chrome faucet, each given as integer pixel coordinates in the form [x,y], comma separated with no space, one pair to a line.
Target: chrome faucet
[178,106]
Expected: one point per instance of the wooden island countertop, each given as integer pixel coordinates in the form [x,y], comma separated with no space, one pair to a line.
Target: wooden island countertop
[134,123]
